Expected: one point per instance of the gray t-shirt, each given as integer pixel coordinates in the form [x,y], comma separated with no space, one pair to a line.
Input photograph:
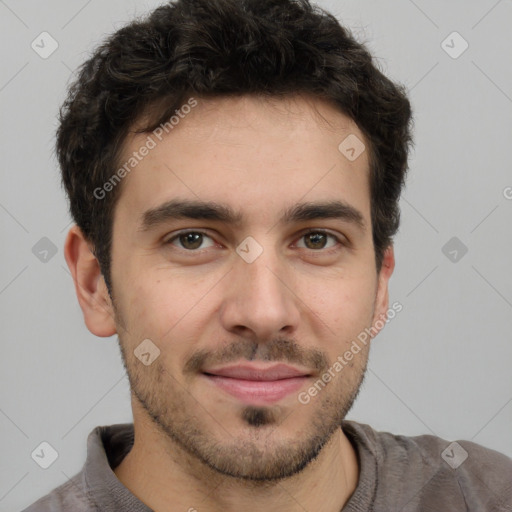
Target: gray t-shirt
[397,474]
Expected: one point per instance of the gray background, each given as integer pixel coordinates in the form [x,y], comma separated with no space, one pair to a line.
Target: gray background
[442,366]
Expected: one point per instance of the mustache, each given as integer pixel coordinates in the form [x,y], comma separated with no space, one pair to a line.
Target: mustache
[281,350]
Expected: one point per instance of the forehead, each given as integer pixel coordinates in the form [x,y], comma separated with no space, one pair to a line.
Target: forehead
[258,155]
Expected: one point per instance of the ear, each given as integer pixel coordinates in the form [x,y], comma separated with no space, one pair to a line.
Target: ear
[382,296]
[90,286]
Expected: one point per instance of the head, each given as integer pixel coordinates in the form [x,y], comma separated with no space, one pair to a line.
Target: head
[234,169]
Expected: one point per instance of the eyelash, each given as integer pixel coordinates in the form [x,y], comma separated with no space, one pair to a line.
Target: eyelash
[309,232]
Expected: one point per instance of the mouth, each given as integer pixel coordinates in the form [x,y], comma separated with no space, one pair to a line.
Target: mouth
[257,384]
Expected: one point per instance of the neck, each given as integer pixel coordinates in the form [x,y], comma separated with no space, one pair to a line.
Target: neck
[164,477]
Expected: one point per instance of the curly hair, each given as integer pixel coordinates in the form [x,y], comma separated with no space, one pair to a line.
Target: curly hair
[210,48]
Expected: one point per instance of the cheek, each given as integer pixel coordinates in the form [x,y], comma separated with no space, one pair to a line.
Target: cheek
[345,305]
[163,309]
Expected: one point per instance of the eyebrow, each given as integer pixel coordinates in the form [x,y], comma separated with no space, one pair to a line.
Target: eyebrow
[207,210]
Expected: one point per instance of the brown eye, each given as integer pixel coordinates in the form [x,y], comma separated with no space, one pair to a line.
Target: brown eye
[317,240]
[191,240]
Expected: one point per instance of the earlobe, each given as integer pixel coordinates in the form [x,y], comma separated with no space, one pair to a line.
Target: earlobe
[90,286]
[382,297]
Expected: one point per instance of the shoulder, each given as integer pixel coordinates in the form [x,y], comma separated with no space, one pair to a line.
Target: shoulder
[95,486]
[69,496]
[427,469]
[484,475]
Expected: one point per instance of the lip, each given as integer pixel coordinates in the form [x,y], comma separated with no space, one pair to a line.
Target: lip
[256,384]
[258,373]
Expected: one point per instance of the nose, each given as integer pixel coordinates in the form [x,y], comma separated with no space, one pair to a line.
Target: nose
[260,301]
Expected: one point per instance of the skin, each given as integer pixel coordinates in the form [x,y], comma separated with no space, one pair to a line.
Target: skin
[302,301]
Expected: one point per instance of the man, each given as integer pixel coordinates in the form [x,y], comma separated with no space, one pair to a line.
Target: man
[234,169]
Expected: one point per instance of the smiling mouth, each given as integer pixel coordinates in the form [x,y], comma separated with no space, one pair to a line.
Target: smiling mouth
[257,385]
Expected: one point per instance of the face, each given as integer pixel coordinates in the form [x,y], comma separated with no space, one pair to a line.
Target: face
[242,248]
